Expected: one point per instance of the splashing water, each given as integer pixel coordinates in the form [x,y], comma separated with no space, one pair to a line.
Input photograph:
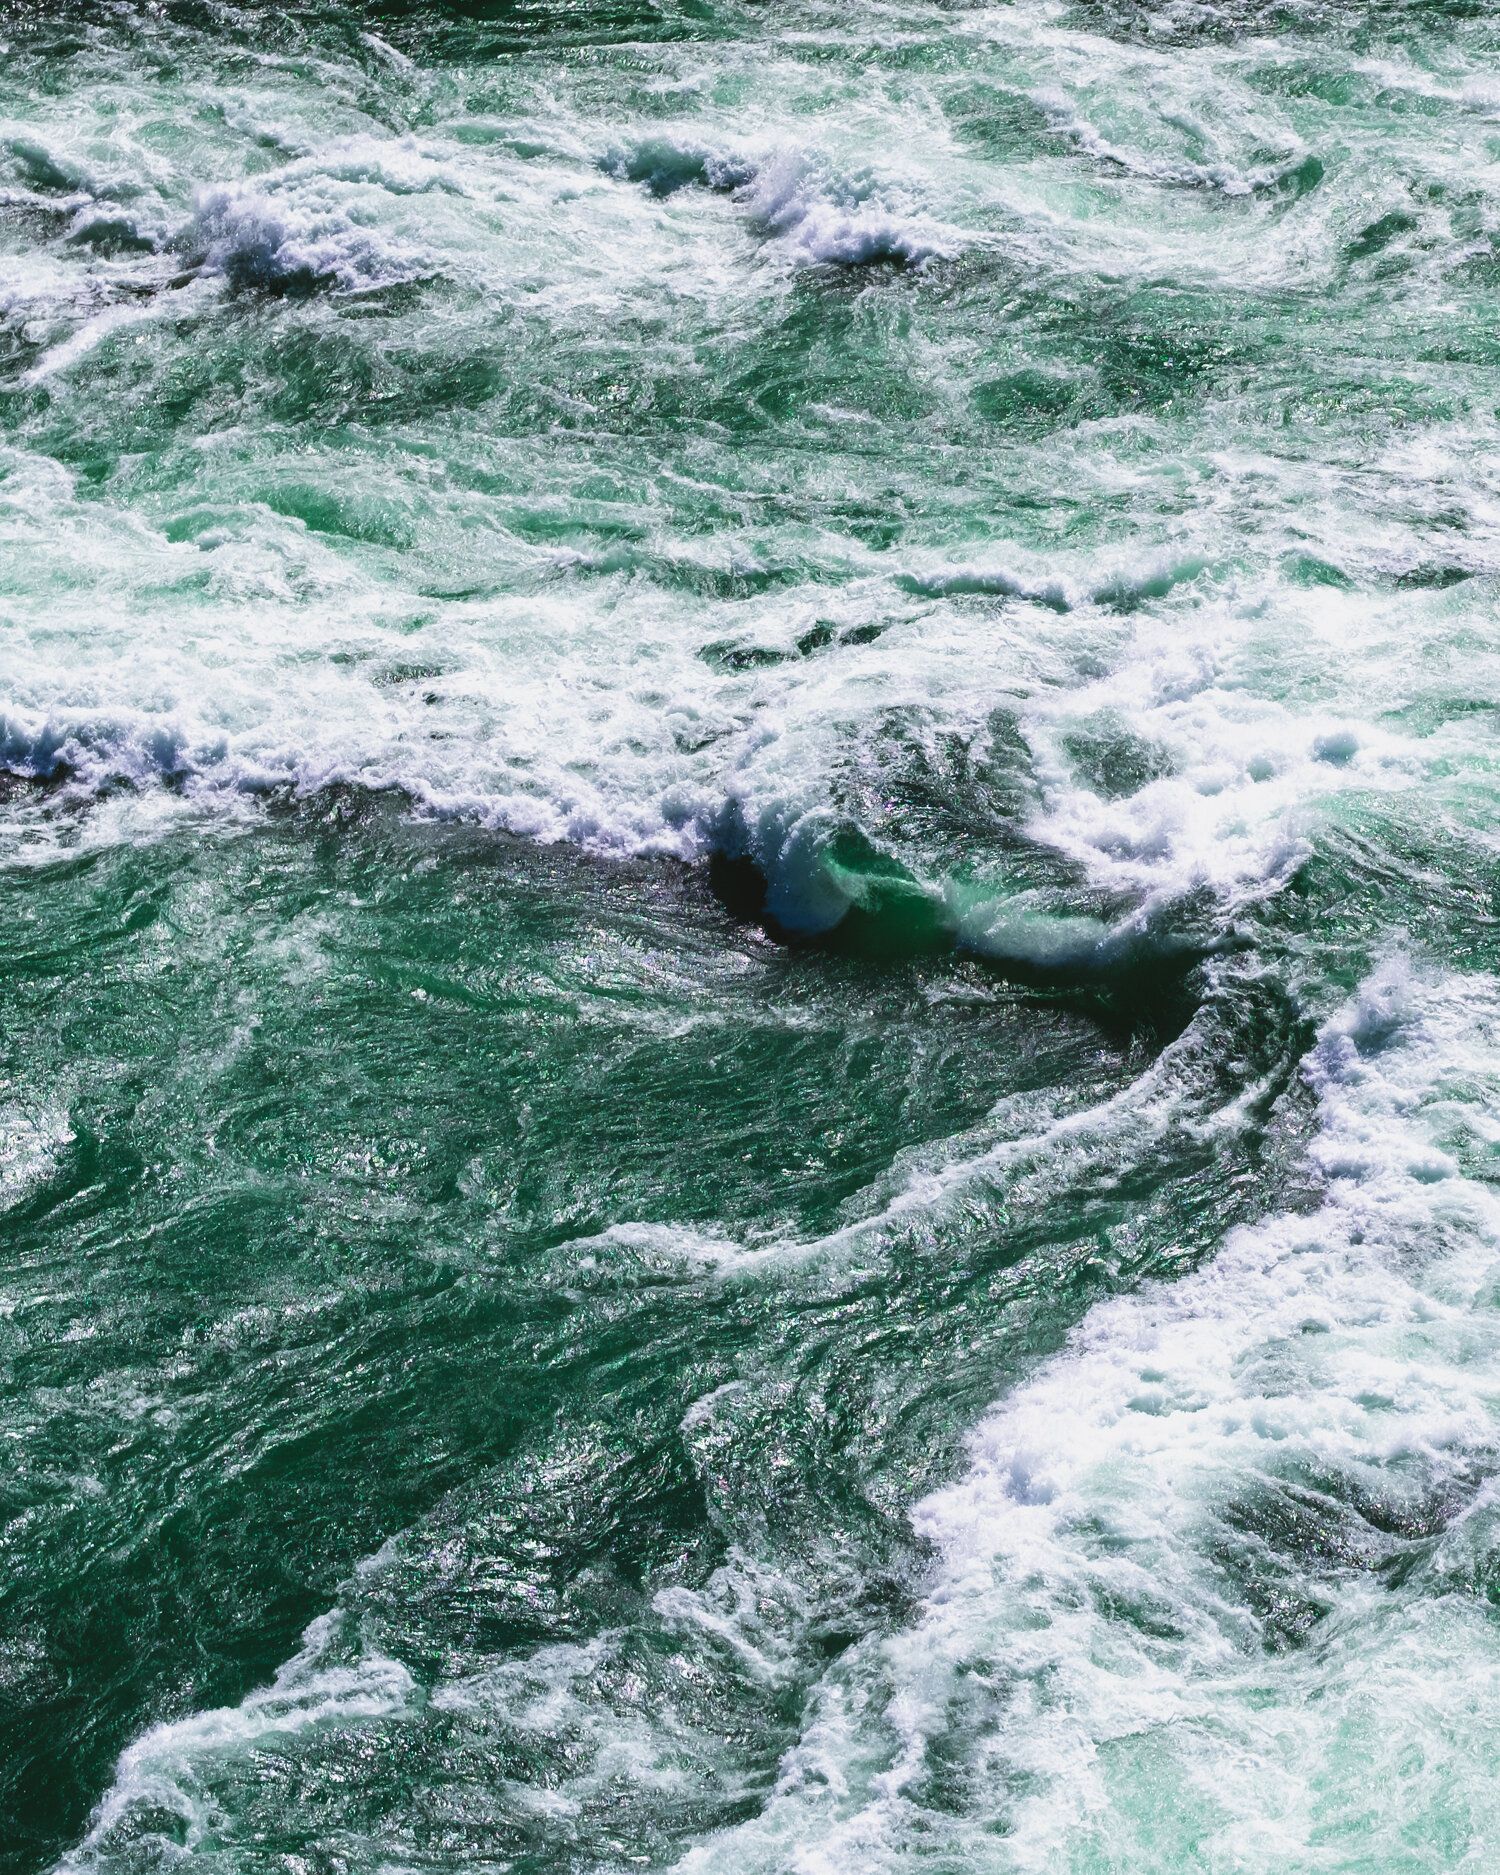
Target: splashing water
[750,1013]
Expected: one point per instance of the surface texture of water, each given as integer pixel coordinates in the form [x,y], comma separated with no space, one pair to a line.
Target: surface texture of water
[750,957]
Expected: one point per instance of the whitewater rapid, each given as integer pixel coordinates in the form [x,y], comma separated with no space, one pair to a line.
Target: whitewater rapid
[1014,485]
[632,679]
[1199,1560]
[1205,1556]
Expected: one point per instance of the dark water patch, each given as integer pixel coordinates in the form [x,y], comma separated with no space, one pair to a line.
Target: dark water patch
[1379,234]
[663,165]
[1025,400]
[25,780]
[1370,869]
[1299,179]
[827,344]
[1131,592]
[111,233]
[1156,369]
[406,672]
[443,31]
[1362,25]
[728,656]
[1290,1544]
[1144,985]
[44,168]
[1308,569]
[1113,760]
[954,795]
[336,1084]
[1430,578]
[470,29]
[1116,349]
[999,118]
[732,657]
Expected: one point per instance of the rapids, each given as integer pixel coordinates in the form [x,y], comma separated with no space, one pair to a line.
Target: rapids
[749,937]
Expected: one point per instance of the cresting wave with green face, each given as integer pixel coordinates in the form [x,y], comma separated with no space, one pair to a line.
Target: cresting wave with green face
[750,962]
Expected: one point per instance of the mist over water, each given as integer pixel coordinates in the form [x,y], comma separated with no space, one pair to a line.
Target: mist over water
[749,1021]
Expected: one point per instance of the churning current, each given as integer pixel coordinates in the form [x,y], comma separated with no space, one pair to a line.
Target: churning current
[750,937]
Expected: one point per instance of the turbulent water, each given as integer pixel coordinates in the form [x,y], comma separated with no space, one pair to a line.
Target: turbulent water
[750,954]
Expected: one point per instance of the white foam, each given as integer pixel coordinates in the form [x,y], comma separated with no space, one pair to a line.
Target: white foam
[1113,1621]
[586,714]
[32,1137]
[795,197]
[819,222]
[257,651]
[107,324]
[332,1680]
[257,238]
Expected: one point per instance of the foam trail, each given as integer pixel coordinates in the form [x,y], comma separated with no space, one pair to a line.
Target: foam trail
[1214,1584]
[331,1680]
[1010,494]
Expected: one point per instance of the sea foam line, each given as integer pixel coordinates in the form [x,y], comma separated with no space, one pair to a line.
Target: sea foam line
[1228,1545]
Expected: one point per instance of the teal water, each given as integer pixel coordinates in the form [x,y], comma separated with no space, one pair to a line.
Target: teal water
[750,962]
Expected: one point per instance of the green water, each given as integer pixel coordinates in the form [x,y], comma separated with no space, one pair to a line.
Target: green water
[750,955]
